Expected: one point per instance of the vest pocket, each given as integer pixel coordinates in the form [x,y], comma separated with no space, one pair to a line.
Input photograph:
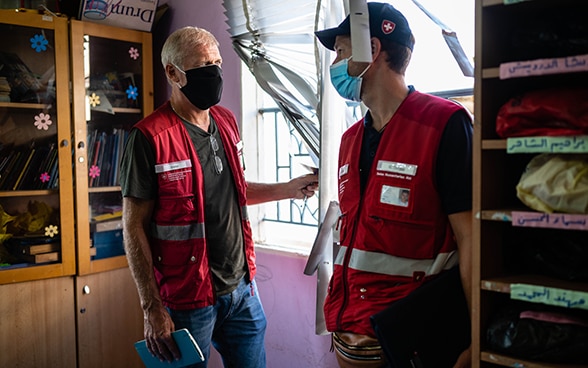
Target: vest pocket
[176,209]
[409,239]
[180,270]
[174,182]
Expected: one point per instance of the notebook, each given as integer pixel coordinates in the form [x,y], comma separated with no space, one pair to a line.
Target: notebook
[427,329]
[189,349]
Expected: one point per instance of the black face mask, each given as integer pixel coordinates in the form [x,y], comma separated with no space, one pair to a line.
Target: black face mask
[204,86]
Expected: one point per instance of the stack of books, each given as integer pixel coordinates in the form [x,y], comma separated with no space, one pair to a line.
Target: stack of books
[106,235]
[34,249]
[31,167]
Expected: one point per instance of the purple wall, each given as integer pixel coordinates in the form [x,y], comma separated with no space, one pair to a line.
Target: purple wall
[289,301]
[288,296]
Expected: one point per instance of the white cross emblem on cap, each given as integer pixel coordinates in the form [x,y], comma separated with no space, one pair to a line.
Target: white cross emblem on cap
[388,26]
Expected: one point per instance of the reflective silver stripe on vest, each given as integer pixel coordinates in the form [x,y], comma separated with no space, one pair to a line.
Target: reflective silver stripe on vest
[386,264]
[178,233]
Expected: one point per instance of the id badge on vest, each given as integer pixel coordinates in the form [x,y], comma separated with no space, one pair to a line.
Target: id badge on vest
[396,188]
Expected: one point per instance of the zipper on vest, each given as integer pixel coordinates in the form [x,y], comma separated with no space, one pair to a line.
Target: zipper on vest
[345,266]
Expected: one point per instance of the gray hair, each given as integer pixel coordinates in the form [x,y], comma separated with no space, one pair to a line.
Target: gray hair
[183,42]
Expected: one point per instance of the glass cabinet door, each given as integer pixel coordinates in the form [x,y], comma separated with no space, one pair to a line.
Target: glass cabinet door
[112,90]
[36,194]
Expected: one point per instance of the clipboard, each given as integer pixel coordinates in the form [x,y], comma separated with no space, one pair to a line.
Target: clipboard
[191,353]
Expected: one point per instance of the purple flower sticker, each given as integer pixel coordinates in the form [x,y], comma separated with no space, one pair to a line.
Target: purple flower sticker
[94,171]
[44,177]
[39,43]
[42,121]
[134,53]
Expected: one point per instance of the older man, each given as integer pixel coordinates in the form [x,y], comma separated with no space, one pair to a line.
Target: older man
[187,234]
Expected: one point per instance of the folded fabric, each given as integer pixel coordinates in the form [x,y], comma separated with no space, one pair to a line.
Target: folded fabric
[555,183]
[548,112]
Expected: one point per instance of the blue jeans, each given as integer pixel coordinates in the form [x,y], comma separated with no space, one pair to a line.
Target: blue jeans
[235,326]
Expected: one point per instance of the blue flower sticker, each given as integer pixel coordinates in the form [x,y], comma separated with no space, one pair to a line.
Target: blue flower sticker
[132,92]
[39,43]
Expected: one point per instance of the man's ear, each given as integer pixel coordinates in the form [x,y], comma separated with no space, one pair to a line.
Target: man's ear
[376,47]
[172,73]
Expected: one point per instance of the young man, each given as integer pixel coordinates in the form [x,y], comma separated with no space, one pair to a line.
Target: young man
[408,141]
[187,235]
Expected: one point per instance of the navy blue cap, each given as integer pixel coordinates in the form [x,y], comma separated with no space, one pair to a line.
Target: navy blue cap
[385,23]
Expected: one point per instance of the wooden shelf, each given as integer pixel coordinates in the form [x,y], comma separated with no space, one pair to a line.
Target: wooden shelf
[526,218]
[104,189]
[25,105]
[28,193]
[126,110]
[503,284]
[507,361]
[494,144]
[508,66]
[492,2]
[489,73]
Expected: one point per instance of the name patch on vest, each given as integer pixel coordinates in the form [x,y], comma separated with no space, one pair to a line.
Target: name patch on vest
[170,166]
[343,170]
[397,167]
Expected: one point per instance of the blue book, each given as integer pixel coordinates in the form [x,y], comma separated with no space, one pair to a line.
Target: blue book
[189,350]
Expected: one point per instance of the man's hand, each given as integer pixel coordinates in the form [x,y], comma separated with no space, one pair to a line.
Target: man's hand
[303,186]
[298,188]
[158,327]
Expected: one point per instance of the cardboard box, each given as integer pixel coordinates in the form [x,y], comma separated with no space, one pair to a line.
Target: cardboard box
[133,14]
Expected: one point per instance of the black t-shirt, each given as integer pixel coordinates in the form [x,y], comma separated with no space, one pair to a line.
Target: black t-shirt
[224,235]
[454,161]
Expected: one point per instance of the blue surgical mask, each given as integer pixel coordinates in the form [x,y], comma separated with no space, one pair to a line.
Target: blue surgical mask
[347,86]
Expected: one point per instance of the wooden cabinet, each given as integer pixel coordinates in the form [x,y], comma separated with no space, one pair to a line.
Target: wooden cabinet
[109,320]
[37,324]
[112,89]
[520,47]
[69,93]
[36,196]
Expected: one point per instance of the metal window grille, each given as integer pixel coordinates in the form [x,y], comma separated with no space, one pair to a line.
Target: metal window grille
[288,148]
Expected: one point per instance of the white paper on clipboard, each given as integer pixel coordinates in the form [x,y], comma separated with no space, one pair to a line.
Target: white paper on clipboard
[320,261]
[324,241]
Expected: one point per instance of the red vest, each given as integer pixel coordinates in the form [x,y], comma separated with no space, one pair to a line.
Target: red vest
[396,233]
[178,242]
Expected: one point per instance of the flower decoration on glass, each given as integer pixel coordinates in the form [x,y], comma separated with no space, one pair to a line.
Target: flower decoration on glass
[132,93]
[51,230]
[44,177]
[134,53]
[94,100]
[42,121]
[39,42]
[94,171]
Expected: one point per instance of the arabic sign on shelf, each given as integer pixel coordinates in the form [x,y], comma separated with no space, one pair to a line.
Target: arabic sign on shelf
[550,220]
[568,144]
[528,68]
[550,296]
